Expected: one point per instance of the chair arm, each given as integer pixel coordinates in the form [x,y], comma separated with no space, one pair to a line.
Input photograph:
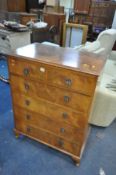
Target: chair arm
[99,51]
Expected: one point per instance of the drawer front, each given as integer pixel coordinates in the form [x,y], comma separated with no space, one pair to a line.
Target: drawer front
[52,111]
[28,69]
[48,138]
[75,101]
[72,80]
[60,77]
[61,129]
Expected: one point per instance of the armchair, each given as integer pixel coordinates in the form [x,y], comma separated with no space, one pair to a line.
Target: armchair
[103,45]
[103,110]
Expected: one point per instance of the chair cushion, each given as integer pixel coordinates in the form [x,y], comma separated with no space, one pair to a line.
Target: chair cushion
[103,110]
[91,47]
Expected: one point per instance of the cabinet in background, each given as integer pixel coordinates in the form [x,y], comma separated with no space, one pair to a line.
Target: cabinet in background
[55,19]
[82,6]
[13,5]
[16,5]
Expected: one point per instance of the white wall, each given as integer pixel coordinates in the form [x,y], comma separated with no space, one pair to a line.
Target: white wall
[67,3]
[114,21]
[51,2]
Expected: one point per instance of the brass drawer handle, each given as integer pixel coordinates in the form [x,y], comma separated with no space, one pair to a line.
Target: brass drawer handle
[65,115]
[62,130]
[68,82]
[28,117]
[27,102]
[26,71]
[60,143]
[26,86]
[66,99]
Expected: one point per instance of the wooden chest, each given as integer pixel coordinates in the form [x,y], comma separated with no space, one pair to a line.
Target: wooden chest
[27,17]
[52,90]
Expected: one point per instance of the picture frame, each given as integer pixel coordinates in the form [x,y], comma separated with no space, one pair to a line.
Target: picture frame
[74,34]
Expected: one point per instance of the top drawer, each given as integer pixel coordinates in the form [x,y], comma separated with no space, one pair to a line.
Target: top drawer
[56,76]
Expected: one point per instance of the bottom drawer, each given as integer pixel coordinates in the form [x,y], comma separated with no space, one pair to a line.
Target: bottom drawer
[49,139]
[61,129]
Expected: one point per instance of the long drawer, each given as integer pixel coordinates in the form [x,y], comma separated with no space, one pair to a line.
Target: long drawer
[56,76]
[49,139]
[56,95]
[48,109]
[61,129]
[55,113]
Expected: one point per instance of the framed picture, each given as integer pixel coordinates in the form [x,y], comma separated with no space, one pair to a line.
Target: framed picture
[74,34]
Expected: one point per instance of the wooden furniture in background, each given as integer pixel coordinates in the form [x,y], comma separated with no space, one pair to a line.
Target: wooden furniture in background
[26,17]
[100,16]
[56,18]
[13,5]
[101,13]
[74,34]
[16,5]
[82,6]
[52,91]
[40,35]
[33,4]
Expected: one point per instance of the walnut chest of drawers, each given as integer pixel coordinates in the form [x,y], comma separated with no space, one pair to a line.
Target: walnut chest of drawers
[52,91]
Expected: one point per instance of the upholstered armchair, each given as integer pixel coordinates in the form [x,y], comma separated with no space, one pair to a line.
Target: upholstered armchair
[103,44]
[103,110]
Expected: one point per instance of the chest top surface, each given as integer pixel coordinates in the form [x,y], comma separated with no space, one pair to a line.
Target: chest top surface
[61,57]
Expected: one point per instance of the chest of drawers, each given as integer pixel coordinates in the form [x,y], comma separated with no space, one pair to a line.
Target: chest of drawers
[52,91]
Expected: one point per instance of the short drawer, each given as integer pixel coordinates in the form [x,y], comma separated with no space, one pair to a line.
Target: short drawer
[52,111]
[61,129]
[56,95]
[56,76]
[27,69]
[72,80]
[49,139]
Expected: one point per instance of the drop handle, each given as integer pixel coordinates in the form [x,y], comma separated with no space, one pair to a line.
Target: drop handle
[60,143]
[66,99]
[26,71]
[62,130]
[65,115]
[27,102]
[26,86]
[68,82]
[28,117]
